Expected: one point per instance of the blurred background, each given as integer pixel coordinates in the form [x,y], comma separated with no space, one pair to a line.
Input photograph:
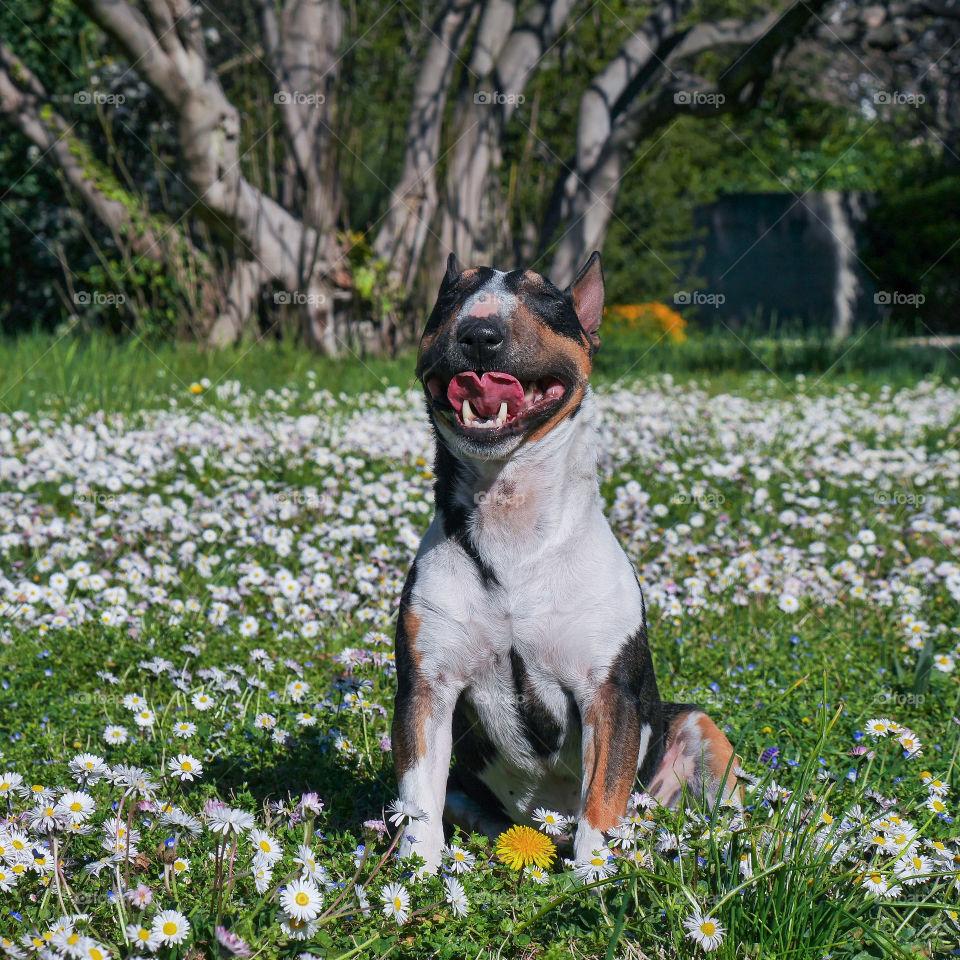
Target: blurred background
[764,181]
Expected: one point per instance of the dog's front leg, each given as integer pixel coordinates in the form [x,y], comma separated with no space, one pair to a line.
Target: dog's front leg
[422,741]
[613,735]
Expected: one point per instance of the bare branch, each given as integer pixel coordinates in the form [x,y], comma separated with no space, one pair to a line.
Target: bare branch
[614,117]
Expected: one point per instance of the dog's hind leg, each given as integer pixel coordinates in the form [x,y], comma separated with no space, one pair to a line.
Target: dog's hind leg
[698,760]
[473,817]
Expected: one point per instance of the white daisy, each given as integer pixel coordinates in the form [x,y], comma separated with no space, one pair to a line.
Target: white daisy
[185,767]
[704,930]
[549,821]
[396,902]
[171,926]
[456,896]
[458,860]
[301,899]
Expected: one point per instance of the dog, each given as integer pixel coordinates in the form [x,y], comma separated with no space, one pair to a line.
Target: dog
[521,643]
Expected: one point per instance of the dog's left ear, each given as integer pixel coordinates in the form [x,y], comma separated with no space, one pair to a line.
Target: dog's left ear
[454,269]
[587,293]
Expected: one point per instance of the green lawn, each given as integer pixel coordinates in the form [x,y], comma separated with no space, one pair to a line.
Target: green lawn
[215,573]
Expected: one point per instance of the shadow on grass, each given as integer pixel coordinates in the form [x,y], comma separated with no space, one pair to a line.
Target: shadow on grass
[352,789]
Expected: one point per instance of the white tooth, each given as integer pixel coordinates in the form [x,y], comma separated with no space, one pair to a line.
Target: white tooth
[467,412]
[502,415]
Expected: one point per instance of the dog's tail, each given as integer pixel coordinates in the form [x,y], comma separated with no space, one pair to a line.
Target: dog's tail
[698,759]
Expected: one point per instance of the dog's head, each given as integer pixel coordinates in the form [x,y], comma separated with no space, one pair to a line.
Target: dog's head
[505,357]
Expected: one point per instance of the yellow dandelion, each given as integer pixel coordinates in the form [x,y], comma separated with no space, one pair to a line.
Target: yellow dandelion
[520,847]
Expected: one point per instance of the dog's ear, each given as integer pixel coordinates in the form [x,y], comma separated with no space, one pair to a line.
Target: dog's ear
[454,269]
[587,293]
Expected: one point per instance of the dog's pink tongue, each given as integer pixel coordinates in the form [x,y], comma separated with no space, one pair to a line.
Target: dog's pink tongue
[485,393]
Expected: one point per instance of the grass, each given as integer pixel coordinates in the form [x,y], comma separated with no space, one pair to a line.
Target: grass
[796,542]
[105,373]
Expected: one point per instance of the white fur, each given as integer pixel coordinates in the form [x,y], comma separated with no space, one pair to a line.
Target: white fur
[567,600]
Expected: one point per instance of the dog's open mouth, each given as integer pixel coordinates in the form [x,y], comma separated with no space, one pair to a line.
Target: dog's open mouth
[496,401]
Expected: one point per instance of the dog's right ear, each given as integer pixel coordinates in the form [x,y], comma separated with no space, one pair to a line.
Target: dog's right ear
[454,269]
[587,293]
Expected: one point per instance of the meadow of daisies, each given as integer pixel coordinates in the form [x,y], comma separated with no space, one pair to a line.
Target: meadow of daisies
[196,680]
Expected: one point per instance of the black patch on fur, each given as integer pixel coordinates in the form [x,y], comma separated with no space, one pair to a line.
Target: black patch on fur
[452,294]
[548,303]
[472,751]
[544,731]
[637,703]
[456,517]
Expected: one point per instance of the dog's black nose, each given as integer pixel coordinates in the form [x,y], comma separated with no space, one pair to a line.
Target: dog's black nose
[481,340]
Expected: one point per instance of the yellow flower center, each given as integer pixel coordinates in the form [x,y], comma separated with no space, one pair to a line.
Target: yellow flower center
[186,765]
[143,934]
[169,928]
[301,899]
[522,846]
[264,846]
[397,903]
[95,954]
[708,929]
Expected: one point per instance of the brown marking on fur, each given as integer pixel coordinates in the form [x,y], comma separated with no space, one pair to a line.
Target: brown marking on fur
[426,344]
[573,399]
[676,769]
[545,349]
[696,759]
[611,759]
[408,731]
[718,755]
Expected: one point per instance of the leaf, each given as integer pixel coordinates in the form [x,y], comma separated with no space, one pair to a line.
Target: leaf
[921,675]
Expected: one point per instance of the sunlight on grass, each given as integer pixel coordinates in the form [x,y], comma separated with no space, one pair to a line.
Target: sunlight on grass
[197,599]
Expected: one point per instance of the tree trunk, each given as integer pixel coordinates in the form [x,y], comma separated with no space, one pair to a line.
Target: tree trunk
[475,222]
[414,200]
[166,45]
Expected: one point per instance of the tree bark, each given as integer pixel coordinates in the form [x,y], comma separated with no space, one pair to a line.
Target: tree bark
[614,118]
[166,46]
[475,223]
[413,204]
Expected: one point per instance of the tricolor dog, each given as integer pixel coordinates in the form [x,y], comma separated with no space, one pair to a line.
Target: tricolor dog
[521,646]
